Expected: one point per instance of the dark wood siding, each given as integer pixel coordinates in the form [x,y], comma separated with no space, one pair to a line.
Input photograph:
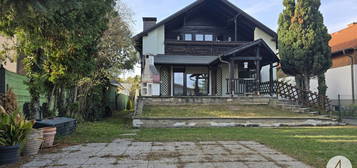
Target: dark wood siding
[198,48]
[209,19]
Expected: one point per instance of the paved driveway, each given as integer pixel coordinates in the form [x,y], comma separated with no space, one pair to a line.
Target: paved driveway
[126,153]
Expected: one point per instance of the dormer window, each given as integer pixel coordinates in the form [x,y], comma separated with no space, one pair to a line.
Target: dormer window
[188,37]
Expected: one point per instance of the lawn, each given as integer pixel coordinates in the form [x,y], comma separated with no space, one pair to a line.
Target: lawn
[312,145]
[222,111]
[100,131]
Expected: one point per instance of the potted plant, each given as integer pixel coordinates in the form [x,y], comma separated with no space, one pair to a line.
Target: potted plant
[13,130]
[49,134]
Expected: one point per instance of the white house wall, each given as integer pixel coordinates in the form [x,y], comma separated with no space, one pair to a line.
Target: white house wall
[154,42]
[260,34]
[338,81]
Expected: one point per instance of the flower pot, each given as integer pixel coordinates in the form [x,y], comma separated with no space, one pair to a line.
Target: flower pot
[48,136]
[9,154]
[33,142]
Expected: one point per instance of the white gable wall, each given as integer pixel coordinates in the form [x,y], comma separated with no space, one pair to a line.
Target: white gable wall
[154,42]
[260,34]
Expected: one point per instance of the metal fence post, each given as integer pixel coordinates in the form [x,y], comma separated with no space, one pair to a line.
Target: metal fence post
[339,108]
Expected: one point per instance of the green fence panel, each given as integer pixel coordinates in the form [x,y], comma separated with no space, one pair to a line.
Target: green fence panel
[122,101]
[116,101]
[17,83]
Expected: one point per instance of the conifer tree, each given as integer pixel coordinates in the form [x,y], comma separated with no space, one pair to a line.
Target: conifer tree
[303,42]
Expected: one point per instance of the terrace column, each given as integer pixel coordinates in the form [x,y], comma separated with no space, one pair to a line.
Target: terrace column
[271,79]
[231,77]
[257,70]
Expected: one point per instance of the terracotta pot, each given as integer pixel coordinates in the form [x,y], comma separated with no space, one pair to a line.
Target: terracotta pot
[33,142]
[48,136]
[9,154]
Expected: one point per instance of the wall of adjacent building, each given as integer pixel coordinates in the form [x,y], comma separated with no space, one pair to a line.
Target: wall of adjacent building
[154,42]
[338,81]
[9,64]
[260,34]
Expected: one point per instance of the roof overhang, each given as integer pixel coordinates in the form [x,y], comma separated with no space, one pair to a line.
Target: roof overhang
[184,59]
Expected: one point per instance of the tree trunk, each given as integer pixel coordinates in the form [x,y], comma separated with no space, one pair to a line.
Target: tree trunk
[322,90]
[34,105]
[35,101]
[60,102]
[299,82]
[306,83]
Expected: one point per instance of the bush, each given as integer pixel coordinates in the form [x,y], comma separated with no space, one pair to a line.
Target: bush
[8,101]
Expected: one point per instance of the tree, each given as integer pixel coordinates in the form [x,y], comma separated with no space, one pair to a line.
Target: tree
[303,42]
[71,47]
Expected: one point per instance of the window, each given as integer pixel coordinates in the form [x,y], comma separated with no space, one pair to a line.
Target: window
[208,37]
[199,37]
[188,37]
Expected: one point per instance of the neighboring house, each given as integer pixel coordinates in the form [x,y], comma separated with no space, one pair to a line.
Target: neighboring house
[209,48]
[12,64]
[344,51]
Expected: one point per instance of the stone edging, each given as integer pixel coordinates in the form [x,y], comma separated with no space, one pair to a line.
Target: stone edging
[230,122]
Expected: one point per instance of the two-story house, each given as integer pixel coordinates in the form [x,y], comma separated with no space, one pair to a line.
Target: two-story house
[209,48]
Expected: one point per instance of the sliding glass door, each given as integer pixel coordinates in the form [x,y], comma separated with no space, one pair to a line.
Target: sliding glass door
[191,82]
[179,81]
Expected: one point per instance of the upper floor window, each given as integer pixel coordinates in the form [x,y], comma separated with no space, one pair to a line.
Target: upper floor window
[199,37]
[188,37]
[208,37]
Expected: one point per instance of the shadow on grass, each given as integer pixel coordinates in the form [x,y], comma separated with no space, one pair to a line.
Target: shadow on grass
[103,131]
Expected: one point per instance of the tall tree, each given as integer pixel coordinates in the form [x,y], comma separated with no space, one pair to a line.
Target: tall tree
[59,39]
[303,42]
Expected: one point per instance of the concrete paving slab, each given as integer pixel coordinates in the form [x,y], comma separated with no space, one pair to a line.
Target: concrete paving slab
[124,153]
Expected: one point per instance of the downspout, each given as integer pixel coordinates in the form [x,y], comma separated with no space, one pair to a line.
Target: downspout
[236,26]
[352,75]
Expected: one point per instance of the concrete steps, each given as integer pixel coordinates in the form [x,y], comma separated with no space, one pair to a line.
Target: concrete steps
[292,106]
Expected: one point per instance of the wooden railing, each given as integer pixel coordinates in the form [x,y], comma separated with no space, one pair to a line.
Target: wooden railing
[302,97]
[242,86]
[282,89]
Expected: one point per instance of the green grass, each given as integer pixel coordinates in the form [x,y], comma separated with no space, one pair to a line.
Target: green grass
[100,131]
[314,145]
[222,111]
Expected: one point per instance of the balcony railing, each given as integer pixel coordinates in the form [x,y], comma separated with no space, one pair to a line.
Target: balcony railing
[176,47]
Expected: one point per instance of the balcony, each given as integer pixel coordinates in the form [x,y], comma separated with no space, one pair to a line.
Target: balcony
[175,47]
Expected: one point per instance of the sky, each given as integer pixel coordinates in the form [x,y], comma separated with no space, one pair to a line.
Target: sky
[337,13]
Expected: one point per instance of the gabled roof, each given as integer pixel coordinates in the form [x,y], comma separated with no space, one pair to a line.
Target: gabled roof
[344,39]
[270,55]
[198,2]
